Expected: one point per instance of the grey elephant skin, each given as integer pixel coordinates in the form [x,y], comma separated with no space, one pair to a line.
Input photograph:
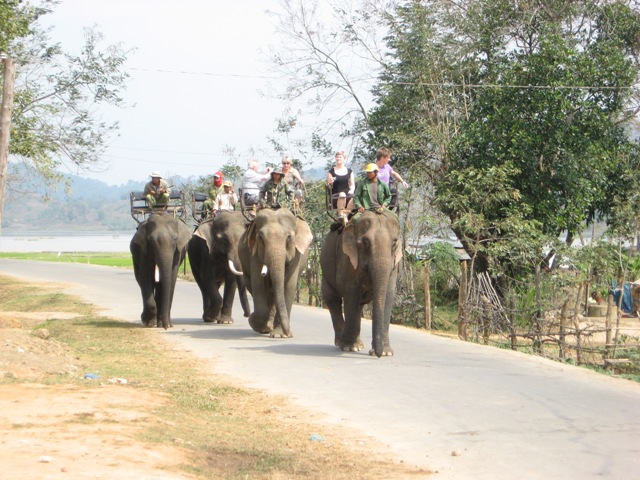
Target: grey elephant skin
[360,265]
[160,241]
[272,252]
[213,255]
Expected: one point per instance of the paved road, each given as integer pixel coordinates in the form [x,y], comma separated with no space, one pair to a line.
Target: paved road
[509,415]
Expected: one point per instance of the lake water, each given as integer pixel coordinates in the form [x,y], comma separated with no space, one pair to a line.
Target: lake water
[110,242]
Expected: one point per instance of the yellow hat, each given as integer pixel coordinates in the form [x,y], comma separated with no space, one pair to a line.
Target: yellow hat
[372,167]
[228,183]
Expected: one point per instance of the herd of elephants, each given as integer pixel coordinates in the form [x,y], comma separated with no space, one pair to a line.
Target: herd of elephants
[265,255]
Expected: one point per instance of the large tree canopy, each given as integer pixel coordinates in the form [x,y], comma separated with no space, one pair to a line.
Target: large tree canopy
[56,123]
[540,92]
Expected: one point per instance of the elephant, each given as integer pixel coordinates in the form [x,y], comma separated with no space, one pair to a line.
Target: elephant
[360,265]
[158,248]
[213,254]
[272,253]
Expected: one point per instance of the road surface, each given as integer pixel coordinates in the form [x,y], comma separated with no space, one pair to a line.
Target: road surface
[508,415]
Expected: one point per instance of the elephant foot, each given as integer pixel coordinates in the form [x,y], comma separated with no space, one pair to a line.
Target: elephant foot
[211,316]
[386,352]
[351,346]
[279,333]
[224,320]
[259,326]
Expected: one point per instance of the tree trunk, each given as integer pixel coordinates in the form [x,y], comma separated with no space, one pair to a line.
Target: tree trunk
[5,127]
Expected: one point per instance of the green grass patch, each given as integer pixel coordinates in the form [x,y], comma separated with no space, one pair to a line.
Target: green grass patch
[94,258]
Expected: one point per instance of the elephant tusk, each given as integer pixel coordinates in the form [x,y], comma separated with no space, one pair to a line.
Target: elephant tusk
[263,272]
[157,275]
[232,267]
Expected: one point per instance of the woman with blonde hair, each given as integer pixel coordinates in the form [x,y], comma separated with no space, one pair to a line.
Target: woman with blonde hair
[292,176]
[342,184]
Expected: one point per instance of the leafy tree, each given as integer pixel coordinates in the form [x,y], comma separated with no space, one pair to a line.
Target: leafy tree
[533,95]
[416,108]
[55,119]
[553,113]
[330,51]
[16,21]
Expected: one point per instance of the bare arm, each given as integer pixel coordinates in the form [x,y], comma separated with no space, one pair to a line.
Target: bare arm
[297,176]
[397,176]
[352,184]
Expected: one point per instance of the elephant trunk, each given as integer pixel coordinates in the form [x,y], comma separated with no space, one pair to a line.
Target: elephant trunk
[381,304]
[275,265]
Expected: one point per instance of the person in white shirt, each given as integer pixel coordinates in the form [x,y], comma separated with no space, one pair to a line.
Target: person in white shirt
[251,183]
[227,198]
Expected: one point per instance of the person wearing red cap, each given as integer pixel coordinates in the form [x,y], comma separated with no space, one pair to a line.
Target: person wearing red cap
[210,204]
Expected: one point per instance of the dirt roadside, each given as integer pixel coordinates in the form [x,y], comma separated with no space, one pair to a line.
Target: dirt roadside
[43,429]
[54,431]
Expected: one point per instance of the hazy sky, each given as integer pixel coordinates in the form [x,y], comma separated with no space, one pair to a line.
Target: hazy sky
[195,77]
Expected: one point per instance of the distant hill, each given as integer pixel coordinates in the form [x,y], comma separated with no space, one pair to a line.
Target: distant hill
[89,206]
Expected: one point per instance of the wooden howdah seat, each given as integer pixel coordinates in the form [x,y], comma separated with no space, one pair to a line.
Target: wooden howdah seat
[140,210]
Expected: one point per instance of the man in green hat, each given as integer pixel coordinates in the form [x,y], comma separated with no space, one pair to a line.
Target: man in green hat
[276,192]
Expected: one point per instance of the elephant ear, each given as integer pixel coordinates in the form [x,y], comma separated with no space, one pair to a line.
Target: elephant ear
[183,235]
[251,238]
[140,238]
[393,224]
[204,232]
[350,245]
[304,237]
[397,253]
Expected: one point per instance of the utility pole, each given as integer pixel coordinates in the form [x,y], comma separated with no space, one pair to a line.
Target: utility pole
[5,125]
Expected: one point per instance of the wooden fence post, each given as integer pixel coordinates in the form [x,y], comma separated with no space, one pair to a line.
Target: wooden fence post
[462,297]
[427,295]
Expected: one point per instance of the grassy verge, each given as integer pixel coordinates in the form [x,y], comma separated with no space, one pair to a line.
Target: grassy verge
[95,258]
[229,432]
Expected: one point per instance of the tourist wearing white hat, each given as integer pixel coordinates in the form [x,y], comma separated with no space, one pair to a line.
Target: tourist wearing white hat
[157,191]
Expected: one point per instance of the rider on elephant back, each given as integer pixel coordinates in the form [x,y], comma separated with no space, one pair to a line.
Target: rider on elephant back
[276,192]
[210,204]
[371,193]
[157,191]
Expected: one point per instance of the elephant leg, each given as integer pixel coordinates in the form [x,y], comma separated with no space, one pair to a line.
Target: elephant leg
[350,341]
[278,331]
[261,320]
[333,301]
[147,288]
[242,292]
[163,320]
[227,302]
[214,304]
